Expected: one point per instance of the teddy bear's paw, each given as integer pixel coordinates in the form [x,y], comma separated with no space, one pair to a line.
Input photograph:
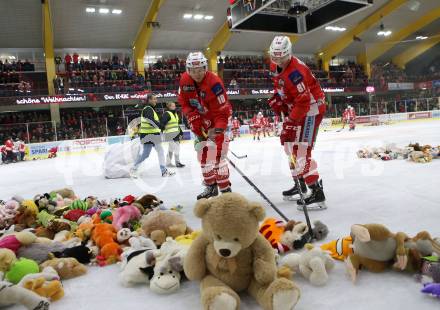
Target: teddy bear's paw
[285,299]
[223,301]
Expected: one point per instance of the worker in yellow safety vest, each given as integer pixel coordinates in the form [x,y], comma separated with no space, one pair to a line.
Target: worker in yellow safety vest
[150,135]
[172,134]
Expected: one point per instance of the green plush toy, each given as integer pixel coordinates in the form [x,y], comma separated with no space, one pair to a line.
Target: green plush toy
[20,268]
[45,218]
[106,216]
[79,205]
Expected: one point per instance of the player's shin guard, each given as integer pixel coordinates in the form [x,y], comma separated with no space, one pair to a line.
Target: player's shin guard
[222,176]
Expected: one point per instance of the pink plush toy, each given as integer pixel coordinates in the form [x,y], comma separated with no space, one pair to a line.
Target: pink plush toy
[8,211]
[125,214]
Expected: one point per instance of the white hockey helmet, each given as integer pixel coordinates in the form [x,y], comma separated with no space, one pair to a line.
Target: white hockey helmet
[196,60]
[280,47]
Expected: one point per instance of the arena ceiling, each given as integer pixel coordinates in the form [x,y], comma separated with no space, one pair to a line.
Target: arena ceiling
[21,25]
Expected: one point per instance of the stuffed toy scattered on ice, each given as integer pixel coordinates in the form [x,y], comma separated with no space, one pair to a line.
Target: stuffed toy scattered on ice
[376,248]
[13,294]
[314,264]
[230,256]
[159,224]
[285,237]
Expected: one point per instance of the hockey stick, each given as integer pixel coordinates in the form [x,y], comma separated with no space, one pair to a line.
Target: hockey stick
[238,156]
[258,190]
[301,196]
[298,185]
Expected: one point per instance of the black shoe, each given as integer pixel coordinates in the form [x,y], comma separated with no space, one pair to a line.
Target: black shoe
[210,191]
[294,191]
[179,165]
[316,201]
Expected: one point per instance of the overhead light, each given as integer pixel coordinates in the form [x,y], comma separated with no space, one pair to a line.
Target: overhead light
[384,33]
[198,16]
[11,57]
[209,17]
[320,54]
[116,11]
[94,57]
[421,38]
[335,28]
[104,11]
[187,16]
[90,10]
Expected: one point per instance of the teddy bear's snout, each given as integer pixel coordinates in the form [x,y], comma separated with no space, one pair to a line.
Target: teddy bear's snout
[225,252]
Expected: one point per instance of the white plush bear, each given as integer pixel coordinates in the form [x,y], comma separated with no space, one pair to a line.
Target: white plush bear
[312,264]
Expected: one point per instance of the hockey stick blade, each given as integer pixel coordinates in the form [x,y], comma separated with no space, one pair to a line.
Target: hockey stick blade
[238,156]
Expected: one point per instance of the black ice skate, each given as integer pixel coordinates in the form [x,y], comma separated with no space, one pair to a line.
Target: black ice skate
[293,193]
[316,200]
[210,191]
[228,190]
[179,165]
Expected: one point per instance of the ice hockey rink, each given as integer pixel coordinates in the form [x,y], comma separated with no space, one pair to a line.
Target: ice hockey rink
[402,195]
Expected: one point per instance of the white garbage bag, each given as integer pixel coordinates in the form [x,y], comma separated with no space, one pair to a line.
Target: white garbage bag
[120,158]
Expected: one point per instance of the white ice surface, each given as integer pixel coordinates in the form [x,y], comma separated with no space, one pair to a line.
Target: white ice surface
[402,195]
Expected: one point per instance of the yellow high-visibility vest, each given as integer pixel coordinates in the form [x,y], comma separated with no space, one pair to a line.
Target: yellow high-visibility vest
[173,123]
[147,126]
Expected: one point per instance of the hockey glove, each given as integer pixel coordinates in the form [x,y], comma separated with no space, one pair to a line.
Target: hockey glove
[195,123]
[276,104]
[291,131]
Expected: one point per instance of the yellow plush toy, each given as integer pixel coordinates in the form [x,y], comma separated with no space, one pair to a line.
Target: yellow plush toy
[53,290]
[339,249]
[7,259]
[188,239]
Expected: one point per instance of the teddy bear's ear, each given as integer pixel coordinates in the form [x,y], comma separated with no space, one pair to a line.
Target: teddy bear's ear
[201,207]
[257,210]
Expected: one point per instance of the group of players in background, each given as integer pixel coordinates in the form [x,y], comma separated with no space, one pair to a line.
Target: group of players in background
[12,152]
[259,125]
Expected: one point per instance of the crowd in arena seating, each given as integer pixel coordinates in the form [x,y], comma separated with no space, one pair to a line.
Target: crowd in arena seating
[19,66]
[75,124]
[12,80]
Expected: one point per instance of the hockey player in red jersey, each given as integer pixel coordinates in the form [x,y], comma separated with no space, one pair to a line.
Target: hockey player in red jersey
[276,124]
[258,125]
[345,117]
[9,150]
[207,109]
[266,126]
[3,153]
[235,127]
[352,118]
[300,98]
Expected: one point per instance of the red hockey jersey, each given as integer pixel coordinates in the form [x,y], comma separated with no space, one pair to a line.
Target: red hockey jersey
[298,89]
[209,99]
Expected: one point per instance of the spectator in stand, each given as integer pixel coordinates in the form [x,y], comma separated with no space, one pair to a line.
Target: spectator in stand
[233,84]
[67,62]
[75,61]
[58,61]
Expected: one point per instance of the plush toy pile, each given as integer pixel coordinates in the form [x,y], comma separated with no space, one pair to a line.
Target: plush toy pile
[413,152]
[54,237]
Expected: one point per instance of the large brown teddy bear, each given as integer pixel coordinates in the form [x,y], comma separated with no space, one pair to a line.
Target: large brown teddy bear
[230,256]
